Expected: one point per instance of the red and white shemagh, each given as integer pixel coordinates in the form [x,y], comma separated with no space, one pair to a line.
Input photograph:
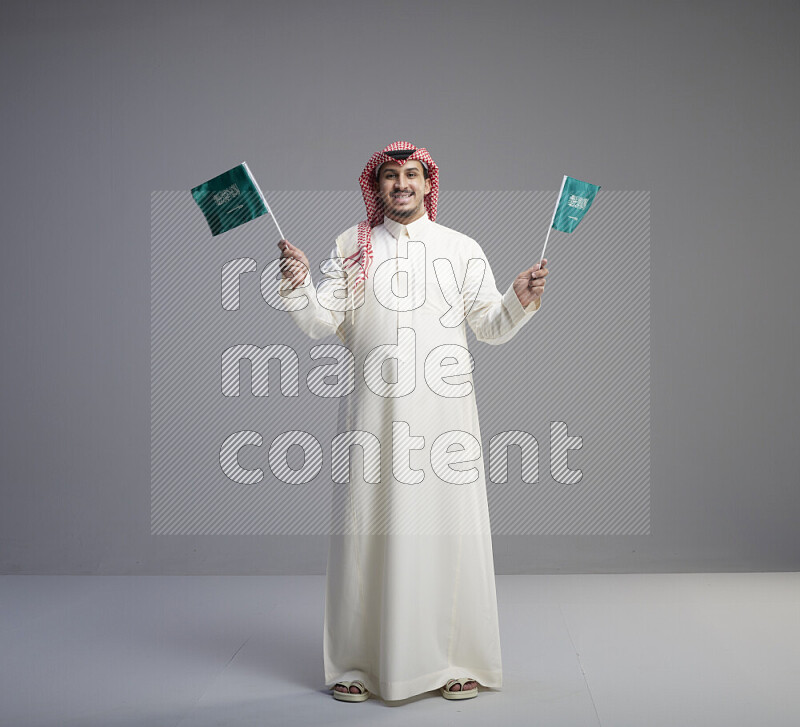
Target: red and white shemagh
[368,182]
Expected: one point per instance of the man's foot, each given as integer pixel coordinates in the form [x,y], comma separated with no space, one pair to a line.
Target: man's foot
[463,688]
[350,691]
[456,687]
[353,689]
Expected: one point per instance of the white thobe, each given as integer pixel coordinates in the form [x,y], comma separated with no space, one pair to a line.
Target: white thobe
[410,590]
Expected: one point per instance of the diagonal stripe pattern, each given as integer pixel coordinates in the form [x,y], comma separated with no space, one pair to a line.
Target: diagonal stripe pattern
[232,455]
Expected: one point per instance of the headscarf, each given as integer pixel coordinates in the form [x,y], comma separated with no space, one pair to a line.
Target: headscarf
[400,152]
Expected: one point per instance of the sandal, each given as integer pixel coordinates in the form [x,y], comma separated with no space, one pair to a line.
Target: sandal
[349,696]
[461,693]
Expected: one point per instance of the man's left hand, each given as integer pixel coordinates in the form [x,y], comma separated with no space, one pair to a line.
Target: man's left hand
[529,284]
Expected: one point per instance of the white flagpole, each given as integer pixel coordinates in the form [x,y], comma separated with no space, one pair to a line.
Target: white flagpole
[552,219]
[269,209]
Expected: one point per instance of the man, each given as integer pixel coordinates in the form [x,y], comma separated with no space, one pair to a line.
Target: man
[410,600]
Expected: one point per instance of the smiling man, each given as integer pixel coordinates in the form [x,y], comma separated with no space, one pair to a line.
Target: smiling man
[402,189]
[410,601]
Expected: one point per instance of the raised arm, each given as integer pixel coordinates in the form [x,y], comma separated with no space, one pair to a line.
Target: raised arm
[325,311]
[496,317]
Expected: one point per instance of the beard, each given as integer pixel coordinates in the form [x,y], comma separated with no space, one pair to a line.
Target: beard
[389,209]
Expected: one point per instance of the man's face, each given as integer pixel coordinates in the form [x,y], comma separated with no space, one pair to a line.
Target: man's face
[402,189]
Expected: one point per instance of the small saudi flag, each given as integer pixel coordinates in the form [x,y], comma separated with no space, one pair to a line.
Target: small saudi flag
[231,199]
[573,203]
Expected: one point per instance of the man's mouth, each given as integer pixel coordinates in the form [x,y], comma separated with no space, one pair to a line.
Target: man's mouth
[402,195]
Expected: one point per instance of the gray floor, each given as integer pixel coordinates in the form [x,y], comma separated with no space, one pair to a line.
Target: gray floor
[661,649]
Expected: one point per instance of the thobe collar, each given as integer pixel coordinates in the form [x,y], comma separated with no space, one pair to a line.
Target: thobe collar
[413,229]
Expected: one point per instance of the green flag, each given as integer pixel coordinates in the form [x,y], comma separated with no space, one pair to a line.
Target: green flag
[573,203]
[231,199]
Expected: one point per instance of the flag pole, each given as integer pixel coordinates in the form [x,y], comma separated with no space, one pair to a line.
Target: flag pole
[269,209]
[552,219]
[266,204]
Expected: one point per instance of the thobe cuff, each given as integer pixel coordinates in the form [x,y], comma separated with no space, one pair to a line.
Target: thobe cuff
[515,308]
[307,317]
[285,290]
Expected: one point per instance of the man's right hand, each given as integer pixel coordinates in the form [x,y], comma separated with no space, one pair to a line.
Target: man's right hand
[294,263]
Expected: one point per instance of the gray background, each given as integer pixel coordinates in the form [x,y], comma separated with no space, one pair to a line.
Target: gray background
[105,102]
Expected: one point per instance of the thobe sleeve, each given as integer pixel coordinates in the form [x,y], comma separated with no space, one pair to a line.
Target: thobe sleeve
[494,317]
[320,317]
